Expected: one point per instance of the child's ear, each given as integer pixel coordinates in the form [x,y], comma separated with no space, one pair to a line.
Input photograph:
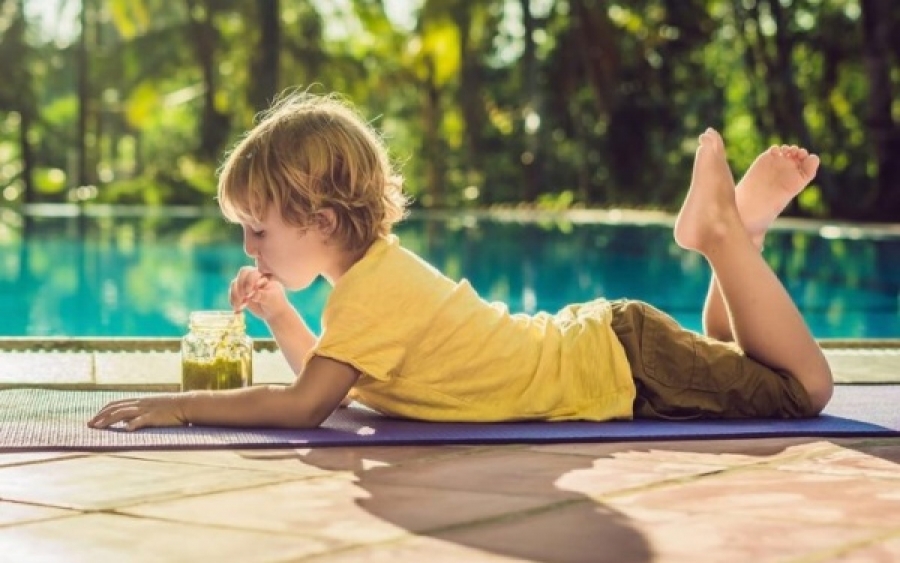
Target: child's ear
[326,222]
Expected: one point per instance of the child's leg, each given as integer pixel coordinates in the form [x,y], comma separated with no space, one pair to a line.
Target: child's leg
[771,182]
[765,322]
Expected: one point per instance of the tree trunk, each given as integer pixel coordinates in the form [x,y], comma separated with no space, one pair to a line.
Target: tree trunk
[792,102]
[595,45]
[28,164]
[879,28]
[214,124]
[84,97]
[755,59]
[470,95]
[434,154]
[789,104]
[24,102]
[596,41]
[532,157]
[265,60]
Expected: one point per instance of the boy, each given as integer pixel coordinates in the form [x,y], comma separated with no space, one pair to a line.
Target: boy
[315,194]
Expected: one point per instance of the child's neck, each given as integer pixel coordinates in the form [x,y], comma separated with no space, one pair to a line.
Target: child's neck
[343,261]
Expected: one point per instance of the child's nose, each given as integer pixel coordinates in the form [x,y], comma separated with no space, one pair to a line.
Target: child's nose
[249,246]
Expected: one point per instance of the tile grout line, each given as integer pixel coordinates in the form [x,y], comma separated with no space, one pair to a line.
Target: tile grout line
[696,477]
[848,548]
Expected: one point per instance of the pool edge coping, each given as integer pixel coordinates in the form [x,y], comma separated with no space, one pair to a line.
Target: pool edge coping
[172,344]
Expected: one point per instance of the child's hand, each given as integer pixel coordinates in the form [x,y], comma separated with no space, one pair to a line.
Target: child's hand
[165,410]
[261,295]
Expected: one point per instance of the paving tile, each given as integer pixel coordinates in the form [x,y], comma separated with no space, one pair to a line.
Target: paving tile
[130,370]
[346,511]
[306,461]
[98,538]
[880,550]
[594,532]
[884,449]
[864,365]
[845,461]
[739,538]
[325,508]
[287,461]
[415,549]
[380,457]
[743,447]
[37,457]
[13,513]
[768,493]
[624,471]
[105,482]
[32,368]
[602,533]
[271,367]
[527,472]
[584,531]
[507,470]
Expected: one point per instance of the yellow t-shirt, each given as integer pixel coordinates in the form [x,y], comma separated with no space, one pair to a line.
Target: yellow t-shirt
[430,348]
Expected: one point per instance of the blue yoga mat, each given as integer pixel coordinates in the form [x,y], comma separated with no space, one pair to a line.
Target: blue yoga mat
[49,420]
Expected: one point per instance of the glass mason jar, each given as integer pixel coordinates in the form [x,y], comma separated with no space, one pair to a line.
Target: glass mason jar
[216,353]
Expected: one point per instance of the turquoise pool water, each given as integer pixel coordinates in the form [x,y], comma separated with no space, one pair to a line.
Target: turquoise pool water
[140,275]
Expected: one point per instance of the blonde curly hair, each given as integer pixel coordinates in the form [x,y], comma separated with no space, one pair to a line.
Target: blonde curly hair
[309,153]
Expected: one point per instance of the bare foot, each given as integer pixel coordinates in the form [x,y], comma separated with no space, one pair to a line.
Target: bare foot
[709,210]
[772,181]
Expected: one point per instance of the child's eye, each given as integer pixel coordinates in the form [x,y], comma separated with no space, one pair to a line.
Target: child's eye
[254,232]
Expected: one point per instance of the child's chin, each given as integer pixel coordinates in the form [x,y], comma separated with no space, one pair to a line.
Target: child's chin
[298,285]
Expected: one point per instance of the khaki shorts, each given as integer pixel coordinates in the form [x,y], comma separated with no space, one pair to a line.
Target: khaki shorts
[682,375]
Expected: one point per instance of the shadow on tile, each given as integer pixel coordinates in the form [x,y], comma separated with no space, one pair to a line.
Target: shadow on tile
[559,502]
[503,501]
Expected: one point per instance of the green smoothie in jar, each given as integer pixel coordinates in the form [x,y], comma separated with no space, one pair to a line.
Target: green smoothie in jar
[216,353]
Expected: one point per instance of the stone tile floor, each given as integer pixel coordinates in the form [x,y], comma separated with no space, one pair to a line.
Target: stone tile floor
[792,500]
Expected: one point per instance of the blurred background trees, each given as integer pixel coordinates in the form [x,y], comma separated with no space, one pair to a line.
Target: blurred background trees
[554,103]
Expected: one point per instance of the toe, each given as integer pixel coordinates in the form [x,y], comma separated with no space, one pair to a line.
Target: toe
[809,165]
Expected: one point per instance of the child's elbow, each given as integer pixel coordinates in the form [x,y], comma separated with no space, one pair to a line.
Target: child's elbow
[303,414]
[310,420]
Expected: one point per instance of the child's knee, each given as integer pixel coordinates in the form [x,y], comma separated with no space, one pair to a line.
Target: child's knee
[820,389]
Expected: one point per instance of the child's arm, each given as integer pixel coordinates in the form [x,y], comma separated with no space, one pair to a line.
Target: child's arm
[293,337]
[266,299]
[306,403]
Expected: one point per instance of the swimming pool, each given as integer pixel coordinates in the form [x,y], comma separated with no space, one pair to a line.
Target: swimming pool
[138,274]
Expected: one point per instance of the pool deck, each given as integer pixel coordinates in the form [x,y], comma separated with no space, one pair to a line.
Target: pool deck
[800,500]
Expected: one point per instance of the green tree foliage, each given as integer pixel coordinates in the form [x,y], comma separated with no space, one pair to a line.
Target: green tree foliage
[553,103]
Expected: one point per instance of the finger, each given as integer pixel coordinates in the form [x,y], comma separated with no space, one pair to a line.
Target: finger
[122,414]
[111,408]
[255,295]
[258,289]
[241,286]
[233,298]
[138,422]
[99,421]
[249,277]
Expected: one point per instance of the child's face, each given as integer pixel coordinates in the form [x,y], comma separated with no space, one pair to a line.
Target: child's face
[291,255]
